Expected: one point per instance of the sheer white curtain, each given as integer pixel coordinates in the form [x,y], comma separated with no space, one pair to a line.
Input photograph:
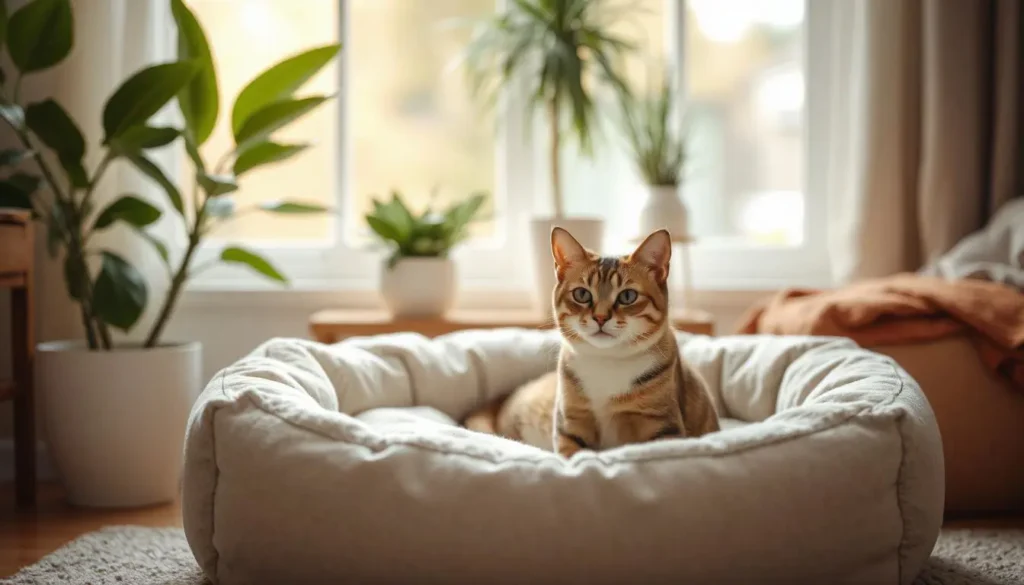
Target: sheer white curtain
[113,39]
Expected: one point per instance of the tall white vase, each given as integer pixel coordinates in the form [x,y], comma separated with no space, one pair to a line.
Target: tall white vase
[115,420]
[588,231]
[664,209]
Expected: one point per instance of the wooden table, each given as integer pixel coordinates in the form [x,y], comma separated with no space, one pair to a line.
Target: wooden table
[16,259]
[334,325]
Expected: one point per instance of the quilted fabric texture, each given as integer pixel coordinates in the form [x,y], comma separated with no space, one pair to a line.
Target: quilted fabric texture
[290,478]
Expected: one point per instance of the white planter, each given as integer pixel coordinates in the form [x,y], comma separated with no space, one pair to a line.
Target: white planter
[664,209]
[115,420]
[588,231]
[419,287]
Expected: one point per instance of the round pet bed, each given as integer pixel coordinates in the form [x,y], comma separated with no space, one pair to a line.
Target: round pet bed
[305,464]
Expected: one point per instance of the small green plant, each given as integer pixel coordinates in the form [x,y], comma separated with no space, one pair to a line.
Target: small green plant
[48,173]
[429,234]
[659,150]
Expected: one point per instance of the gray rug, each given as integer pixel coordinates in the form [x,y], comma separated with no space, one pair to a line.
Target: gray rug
[132,555]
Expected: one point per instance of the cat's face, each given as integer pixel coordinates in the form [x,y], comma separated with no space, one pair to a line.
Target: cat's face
[614,305]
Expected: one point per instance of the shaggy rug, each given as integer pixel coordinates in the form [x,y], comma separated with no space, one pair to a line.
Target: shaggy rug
[132,555]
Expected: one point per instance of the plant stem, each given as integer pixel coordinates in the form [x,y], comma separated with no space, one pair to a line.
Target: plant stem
[90,333]
[92,325]
[171,298]
[100,170]
[179,278]
[555,154]
[75,250]
[225,159]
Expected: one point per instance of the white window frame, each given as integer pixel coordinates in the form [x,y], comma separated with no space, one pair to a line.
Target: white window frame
[496,271]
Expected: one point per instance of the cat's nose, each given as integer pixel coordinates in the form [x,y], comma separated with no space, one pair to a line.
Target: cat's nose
[601,319]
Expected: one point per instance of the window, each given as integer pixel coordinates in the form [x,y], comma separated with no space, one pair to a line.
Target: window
[246,38]
[404,120]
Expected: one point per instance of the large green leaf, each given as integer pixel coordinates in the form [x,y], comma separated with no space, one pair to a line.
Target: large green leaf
[55,128]
[40,34]
[236,255]
[143,95]
[3,26]
[292,207]
[397,215]
[279,82]
[144,137]
[384,229]
[215,185]
[13,196]
[52,124]
[25,182]
[199,100]
[10,157]
[150,169]
[16,191]
[268,119]
[129,209]
[120,293]
[264,153]
[461,214]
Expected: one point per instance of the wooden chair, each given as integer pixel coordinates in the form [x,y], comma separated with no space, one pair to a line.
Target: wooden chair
[16,259]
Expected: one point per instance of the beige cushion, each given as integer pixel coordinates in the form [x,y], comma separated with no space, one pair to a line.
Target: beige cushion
[980,418]
[838,481]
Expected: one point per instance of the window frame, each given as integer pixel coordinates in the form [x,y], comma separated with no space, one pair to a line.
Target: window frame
[502,262]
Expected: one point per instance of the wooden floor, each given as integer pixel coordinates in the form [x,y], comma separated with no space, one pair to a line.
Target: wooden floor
[27,536]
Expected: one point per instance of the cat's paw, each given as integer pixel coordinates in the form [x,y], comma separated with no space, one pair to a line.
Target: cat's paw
[568,445]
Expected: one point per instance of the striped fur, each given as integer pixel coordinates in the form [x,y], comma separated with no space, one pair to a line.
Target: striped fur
[620,378]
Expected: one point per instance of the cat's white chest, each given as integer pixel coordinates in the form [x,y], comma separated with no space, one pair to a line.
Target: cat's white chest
[603,379]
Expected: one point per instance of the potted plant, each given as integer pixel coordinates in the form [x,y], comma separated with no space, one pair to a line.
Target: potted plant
[659,153]
[557,49]
[418,279]
[116,405]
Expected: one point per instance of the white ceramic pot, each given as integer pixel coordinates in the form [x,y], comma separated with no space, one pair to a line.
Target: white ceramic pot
[588,231]
[115,420]
[419,287]
[664,209]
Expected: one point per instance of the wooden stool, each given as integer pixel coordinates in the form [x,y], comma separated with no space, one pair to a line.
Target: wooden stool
[16,258]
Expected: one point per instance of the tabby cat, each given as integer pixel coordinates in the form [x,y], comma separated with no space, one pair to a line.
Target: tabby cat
[620,378]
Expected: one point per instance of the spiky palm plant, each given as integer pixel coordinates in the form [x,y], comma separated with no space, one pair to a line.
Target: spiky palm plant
[659,149]
[557,49]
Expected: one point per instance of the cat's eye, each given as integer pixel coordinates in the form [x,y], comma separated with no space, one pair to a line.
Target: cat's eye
[581,295]
[627,297]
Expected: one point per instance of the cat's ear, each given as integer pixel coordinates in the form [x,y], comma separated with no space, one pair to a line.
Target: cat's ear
[565,249]
[656,252]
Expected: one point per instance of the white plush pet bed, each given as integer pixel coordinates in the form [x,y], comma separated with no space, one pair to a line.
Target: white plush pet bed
[300,470]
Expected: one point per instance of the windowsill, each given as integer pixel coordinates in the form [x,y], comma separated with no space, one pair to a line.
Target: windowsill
[342,295]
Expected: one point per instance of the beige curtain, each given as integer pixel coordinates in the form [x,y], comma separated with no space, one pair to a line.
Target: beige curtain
[924,128]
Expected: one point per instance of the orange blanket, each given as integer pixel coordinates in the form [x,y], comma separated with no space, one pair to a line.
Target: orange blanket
[905,308]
